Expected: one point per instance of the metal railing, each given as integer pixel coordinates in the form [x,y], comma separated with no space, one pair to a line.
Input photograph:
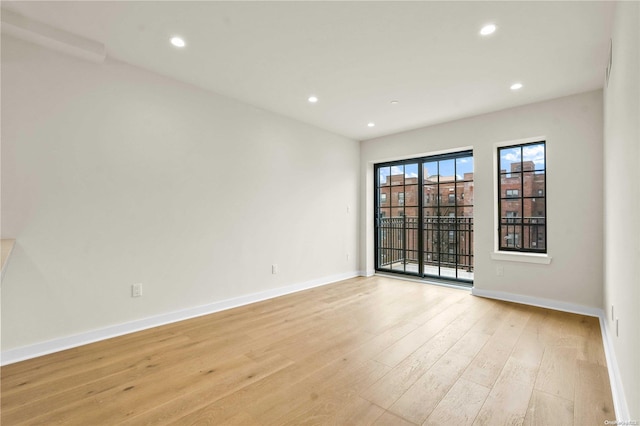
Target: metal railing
[447,241]
[527,232]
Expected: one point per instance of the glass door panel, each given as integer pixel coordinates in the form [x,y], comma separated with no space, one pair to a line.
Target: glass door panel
[424,217]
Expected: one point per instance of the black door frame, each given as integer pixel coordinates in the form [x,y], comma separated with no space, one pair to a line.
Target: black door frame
[420,161]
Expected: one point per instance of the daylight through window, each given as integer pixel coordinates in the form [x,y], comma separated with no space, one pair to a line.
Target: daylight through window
[522,199]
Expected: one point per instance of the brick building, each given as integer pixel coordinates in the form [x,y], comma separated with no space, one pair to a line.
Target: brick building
[522,206]
[447,220]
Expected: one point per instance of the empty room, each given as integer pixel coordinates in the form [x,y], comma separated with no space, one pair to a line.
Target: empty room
[322,213]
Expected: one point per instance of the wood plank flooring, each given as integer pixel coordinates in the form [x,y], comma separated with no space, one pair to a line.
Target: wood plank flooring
[365,351]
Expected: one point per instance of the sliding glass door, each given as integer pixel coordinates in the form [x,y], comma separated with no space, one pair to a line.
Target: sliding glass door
[424,217]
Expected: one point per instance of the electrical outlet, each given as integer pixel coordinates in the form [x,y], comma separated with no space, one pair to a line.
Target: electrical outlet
[500,270]
[136,290]
[275,269]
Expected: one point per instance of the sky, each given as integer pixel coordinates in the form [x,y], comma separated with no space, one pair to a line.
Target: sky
[533,153]
[459,166]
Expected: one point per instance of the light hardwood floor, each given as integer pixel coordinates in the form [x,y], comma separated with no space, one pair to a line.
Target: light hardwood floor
[361,351]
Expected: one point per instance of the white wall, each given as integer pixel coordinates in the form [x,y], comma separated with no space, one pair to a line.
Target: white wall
[112,175]
[622,200]
[572,127]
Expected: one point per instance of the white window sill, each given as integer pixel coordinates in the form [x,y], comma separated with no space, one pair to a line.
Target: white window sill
[544,259]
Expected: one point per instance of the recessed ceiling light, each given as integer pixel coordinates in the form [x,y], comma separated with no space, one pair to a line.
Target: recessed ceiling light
[395,102]
[516,86]
[313,99]
[488,29]
[178,41]
[371,124]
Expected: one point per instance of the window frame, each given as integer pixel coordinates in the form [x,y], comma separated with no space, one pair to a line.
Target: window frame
[503,252]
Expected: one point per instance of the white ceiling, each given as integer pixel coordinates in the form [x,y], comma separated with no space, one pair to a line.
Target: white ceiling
[355,56]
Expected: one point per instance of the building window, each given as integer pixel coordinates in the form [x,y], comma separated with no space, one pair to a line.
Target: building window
[400,198]
[383,198]
[522,203]
[512,240]
[452,198]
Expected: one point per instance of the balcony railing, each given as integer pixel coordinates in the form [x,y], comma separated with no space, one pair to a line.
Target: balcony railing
[447,241]
[527,232]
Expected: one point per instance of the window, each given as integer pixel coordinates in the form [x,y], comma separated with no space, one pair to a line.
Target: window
[522,198]
[383,198]
[452,198]
[400,198]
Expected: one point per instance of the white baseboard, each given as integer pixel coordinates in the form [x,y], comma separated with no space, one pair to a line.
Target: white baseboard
[38,349]
[539,302]
[617,391]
